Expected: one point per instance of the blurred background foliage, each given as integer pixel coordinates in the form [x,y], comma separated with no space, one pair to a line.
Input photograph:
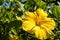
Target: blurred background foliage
[11,9]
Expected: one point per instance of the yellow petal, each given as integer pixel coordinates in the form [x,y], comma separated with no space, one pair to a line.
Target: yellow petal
[29,15]
[40,33]
[46,29]
[41,13]
[19,18]
[49,23]
[28,25]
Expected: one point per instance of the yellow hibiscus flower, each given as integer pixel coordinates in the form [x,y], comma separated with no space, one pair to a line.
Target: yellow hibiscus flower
[38,23]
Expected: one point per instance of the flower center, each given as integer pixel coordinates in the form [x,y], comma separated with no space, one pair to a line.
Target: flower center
[38,21]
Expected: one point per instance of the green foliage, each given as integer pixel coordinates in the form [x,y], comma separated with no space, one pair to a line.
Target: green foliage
[56,11]
[2,1]
[40,4]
